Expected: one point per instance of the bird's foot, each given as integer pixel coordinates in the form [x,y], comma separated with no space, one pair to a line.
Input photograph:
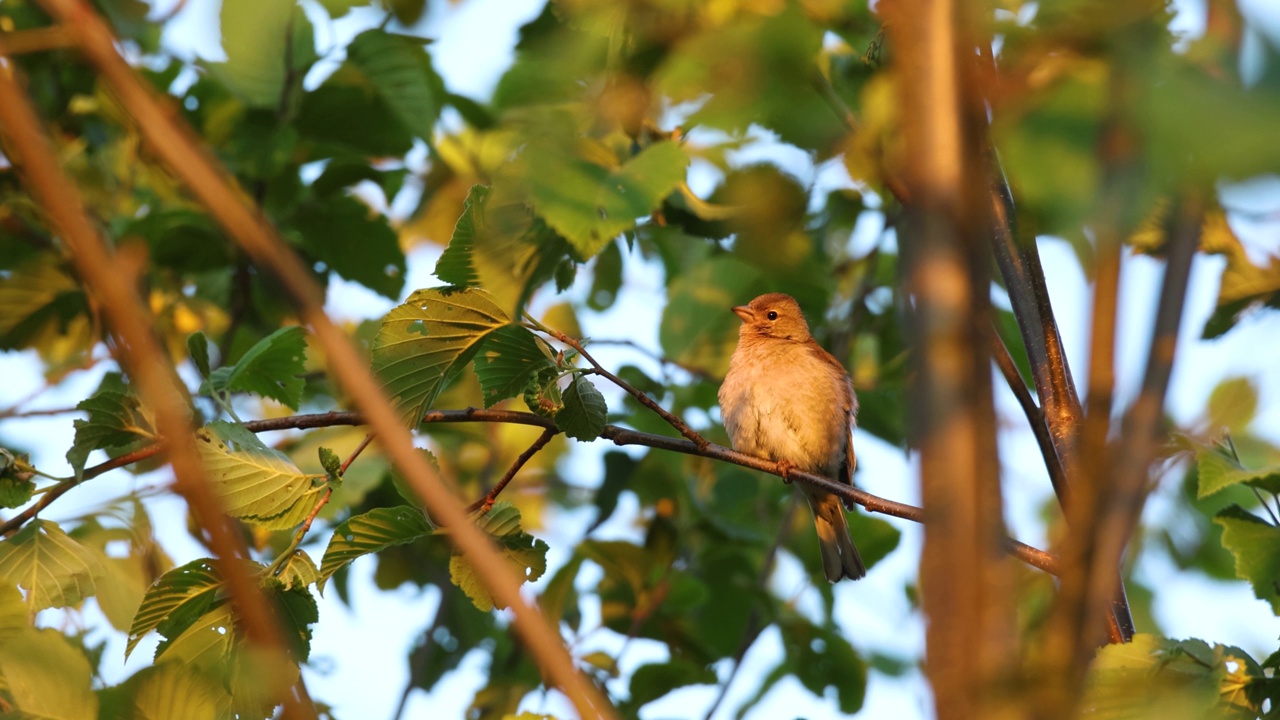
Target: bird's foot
[784,469]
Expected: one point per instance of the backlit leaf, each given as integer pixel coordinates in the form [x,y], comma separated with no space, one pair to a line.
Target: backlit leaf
[46,677]
[525,553]
[196,584]
[53,569]
[271,368]
[256,483]
[371,532]
[116,420]
[507,361]
[1256,547]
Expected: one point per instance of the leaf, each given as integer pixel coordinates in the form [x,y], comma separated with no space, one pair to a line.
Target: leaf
[542,395]
[698,330]
[1153,677]
[400,70]
[257,38]
[253,482]
[176,690]
[271,368]
[37,300]
[591,204]
[1256,547]
[198,348]
[507,361]
[1233,404]
[1219,471]
[371,532]
[116,420]
[205,641]
[17,483]
[46,677]
[525,553]
[456,265]
[584,412]
[55,570]
[332,465]
[195,584]
[619,469]
[354,241]
[652,681]
[424,342]
[299,571]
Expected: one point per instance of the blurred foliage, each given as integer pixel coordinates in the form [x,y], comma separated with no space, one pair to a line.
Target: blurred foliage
[548,200]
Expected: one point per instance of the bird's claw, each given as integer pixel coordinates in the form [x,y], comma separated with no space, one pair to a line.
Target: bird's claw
[784,469]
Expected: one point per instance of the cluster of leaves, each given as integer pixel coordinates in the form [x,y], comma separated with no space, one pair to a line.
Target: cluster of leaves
[572,167]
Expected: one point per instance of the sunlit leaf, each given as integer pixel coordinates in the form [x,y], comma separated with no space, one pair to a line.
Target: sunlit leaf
[299,571]
[423,342]
[177,690]
[53,569]
[1219,469]
[265,43]
[371,532]
[195,584]
[46,677]
[526,554]
[256,483]
[272,368]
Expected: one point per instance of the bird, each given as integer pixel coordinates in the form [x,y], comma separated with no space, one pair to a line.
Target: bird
[786,399]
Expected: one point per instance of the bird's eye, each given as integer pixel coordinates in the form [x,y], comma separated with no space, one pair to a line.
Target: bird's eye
[772,315]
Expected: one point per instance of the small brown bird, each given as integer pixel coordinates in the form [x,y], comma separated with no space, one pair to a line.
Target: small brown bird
[788,400]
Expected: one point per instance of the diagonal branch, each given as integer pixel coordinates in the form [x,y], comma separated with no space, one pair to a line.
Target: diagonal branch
[485,503]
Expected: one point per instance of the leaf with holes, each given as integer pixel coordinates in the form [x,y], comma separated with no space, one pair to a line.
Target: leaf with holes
[423,343]
[256,483]
[194,585]
[371,532]
[510,357]
[525,553]
[55,570]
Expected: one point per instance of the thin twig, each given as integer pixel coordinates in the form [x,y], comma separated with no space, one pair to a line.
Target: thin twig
[355,453]
[282,558]
[485,503]
[644,399]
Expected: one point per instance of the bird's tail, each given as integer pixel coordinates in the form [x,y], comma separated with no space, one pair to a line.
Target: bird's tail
[840,559]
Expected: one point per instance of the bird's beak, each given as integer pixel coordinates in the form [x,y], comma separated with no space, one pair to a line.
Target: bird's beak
[744,312]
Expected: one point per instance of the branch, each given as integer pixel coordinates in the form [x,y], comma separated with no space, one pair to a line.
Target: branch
[485,503]
[644,399]
[174,142]
[109,280]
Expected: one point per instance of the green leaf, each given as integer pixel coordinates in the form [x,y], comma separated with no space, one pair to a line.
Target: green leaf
[1153,677]
[354,241]
[1256,547]
[198,348]
[332,465]
[17,483]
[299,571]
[652,681]
[37,301]
[271,368]
[13,609]
[425,341]
[177,690]
[400,70]
[507,361]
[1218,470]
[297,609]
[591,204]
[116,420]
[342,173]
[456,265]
[584,412]
[263,42]
[525,553]
[347,114]
[256,483]
[55,570]
[542,395]
[194,585]
[1233,404]
[46,677]
[698,329]
[371,532]
[619,469]
[204,641]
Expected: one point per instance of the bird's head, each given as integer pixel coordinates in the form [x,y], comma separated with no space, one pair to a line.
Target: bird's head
[774,315]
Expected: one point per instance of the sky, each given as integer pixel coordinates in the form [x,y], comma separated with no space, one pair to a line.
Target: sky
[359,650]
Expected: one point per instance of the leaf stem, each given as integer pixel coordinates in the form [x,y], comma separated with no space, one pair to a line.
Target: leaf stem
[278,564]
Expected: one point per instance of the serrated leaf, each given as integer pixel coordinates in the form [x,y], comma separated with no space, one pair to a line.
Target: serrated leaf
[116,420]
[198,349]
[55,570]
[584,412]
[399,68]
[1256,547]
[1219,471]
[370,532]
[177,690]
[271,368]
[508,359]
[422,343]
[256,483]
[456,265]
[46,677]
[196,583]
[591,204]
[525,553]
[299,571]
